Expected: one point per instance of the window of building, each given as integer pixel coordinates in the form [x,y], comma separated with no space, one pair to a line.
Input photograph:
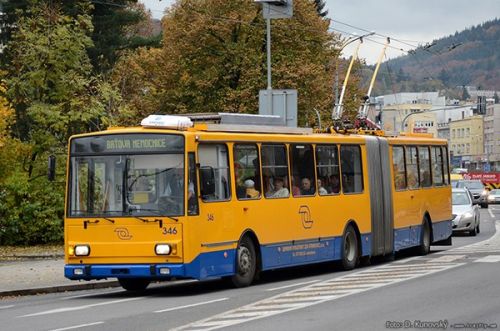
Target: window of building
[247,171]
[327,160]
[351,169]
[398,166]
[412,177]
[424,163]
[275,171]
[214,172]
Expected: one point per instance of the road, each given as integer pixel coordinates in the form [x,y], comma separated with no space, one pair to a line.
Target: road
[455,287]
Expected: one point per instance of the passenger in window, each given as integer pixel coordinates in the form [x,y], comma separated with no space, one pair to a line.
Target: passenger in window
[321,189]
[279,191]
[240,185]
[295,186]
[251,192]
[334,183]
[306,188]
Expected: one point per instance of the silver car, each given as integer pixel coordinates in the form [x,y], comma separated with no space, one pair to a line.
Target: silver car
[465,213]
[494,196]
[476,188]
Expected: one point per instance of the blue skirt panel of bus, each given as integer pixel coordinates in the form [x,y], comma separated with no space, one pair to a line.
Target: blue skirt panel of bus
[206,265]
[222,263]
[442,230]
[288,254]
[410,237]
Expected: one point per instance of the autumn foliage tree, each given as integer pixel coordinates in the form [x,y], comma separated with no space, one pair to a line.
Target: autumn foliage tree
[53,93]
[213,59]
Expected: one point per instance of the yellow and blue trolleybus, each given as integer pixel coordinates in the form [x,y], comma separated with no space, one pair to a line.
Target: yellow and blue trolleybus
[173,199]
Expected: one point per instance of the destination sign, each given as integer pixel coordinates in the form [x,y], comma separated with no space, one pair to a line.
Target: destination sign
[130,143]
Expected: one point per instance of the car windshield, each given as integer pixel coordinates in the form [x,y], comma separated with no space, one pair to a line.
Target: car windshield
[460,198]
[495,192]
[472,184]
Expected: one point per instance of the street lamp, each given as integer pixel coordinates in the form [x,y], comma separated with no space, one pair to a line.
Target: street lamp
[337,110]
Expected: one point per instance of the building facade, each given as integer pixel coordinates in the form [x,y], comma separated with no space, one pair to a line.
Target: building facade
[467,143]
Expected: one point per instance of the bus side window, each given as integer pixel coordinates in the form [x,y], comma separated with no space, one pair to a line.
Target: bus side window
[192,186]
[412,167]
[398,166]
[303,178]
[437,164]
[424,166]
[327,160]
[275,171]
[246,171]
[446,167]
[214,158]
[352,171]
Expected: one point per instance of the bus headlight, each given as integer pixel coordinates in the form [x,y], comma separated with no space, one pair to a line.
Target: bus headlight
[162,249]
[82,250]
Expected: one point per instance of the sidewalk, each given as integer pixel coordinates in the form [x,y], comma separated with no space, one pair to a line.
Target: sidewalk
[36,276]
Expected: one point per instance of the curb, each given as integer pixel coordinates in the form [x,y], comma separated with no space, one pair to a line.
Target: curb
[60,288]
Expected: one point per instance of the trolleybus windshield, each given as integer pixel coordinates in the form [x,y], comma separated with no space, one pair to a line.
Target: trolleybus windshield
[127,175]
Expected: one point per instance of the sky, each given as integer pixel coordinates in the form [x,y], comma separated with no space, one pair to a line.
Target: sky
[408,22]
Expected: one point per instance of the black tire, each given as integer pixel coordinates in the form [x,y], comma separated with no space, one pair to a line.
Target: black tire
[484,205]
[246,263]
[473,232]
[134,284]
[350,249]
[478,230]
[425,239]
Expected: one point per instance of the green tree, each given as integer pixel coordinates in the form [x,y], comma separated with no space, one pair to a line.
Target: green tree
[465,94]
[213,60]
[54,95]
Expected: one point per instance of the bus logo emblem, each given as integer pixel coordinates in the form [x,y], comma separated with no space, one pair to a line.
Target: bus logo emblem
[123,233]
[305,215]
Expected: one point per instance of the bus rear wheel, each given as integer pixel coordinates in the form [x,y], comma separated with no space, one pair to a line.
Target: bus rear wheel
[425,239]
[246,263]
[350,251]
[134,284]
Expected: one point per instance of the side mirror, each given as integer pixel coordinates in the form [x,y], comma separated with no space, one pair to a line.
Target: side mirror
[207,179]
[52,168]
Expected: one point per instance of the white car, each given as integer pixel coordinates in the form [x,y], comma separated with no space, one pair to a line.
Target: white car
[466,216]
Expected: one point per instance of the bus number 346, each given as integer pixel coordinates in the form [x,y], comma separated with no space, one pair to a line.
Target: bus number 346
[171,230]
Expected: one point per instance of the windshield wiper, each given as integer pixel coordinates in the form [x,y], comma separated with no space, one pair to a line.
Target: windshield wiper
[160,221]
[158,212]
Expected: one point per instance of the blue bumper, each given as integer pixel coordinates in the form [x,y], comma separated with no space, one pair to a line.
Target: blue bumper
[206,265]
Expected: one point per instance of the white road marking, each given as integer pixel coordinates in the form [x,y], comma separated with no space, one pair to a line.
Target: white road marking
[63,310]
[6,307]
[317,293]
[489,258]
[189,306]
[78,326]
[293,285]
[447,258]
[491,213]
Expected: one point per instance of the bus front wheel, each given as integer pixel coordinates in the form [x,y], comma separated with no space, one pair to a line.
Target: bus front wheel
[134,284]
[350,251]
[246,263]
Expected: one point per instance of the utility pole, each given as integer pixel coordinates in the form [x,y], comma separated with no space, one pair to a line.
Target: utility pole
[273,9]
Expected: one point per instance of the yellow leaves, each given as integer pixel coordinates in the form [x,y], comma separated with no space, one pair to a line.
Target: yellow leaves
[6,115]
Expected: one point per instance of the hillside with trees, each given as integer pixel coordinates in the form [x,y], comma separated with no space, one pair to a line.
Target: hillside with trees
[467,58]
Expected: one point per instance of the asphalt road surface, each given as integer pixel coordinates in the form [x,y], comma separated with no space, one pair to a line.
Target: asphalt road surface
[454,287]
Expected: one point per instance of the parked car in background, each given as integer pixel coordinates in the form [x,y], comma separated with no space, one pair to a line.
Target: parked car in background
[479,193]
[494,196]
[466,215]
